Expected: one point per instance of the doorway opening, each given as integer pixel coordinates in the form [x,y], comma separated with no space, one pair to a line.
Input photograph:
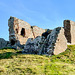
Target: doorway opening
[23,32]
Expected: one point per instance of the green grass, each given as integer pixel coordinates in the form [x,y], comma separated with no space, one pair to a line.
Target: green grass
[12,63]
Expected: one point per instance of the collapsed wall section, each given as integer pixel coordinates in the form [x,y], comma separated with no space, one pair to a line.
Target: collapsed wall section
[55,43]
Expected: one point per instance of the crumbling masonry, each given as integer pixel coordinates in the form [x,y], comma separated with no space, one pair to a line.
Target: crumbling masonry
[35,40]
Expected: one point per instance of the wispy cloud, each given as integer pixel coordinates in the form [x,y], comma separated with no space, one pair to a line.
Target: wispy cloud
[19,9]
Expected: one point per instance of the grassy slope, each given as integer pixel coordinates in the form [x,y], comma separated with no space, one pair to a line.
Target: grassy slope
[12,63]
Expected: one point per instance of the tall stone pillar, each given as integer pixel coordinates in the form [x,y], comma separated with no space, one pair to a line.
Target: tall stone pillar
[69,28]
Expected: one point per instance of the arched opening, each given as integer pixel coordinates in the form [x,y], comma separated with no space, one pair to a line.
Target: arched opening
[23,32]
[12,42]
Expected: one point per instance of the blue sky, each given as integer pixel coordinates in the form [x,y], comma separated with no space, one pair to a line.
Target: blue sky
[47,14]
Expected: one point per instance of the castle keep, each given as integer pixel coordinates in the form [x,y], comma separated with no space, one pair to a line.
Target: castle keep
[35,40]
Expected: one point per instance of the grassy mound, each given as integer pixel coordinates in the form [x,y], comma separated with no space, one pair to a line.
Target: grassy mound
[12,63]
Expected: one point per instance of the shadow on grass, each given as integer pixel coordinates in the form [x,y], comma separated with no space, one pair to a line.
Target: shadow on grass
[8,55]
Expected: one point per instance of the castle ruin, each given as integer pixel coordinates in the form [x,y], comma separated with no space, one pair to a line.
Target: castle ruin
[35,40]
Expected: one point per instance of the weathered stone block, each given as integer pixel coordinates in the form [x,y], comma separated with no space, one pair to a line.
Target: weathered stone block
[61,42]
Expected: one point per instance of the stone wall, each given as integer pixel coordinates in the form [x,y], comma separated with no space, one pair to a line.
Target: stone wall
[69,27]
[37,31]
[20,31]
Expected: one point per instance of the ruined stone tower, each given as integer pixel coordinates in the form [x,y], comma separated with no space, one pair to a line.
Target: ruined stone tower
[20,31]
[69,27]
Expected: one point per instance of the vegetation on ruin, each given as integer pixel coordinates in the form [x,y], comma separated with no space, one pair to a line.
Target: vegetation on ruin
[12,63]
